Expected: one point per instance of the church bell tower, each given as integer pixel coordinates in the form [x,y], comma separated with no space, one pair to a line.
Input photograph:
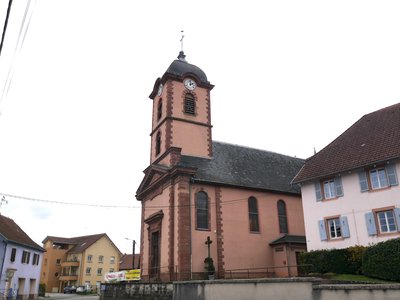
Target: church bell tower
[181,121]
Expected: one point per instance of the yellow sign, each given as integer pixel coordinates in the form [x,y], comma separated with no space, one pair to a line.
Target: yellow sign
[132,274]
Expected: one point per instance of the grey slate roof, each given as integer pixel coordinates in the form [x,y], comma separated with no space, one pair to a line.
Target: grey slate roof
[289,239]
[180,67]
[246,167]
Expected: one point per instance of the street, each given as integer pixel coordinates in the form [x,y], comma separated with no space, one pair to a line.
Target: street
[59,296]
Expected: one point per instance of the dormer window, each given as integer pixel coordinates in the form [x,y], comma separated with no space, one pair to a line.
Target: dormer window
[189,104]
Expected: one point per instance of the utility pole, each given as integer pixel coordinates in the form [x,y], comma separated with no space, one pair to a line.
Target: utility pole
[133,254]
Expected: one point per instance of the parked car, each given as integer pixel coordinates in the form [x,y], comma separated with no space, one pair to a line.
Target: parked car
[69,289]
[83,289]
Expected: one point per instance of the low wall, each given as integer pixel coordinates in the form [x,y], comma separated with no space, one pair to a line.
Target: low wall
[246,289]
[357,291]
[137,291]
[250,289]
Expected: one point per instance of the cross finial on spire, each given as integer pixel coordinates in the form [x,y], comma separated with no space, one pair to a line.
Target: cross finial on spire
[182,55]
[182,40]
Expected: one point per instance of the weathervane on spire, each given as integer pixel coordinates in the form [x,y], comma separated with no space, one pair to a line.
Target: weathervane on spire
[182,40]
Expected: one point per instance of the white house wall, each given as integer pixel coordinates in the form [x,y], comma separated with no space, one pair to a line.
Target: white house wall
[27,271]
[354,204]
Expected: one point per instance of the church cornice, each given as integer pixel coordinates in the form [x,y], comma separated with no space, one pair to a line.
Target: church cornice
[149,189]
[180,120]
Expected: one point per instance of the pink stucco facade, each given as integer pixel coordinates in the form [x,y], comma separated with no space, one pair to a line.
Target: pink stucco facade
[172,245]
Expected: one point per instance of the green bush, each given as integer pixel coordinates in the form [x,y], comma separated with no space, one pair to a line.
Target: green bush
[340,261]
[42,290]
[382,260]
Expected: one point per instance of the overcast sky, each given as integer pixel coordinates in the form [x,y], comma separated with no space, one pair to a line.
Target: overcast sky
[75,122]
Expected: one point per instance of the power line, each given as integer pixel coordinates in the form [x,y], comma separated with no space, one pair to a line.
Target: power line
[67,203]
[5,25]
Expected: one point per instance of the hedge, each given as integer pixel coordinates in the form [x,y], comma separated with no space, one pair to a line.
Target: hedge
[382,260]
[341,261]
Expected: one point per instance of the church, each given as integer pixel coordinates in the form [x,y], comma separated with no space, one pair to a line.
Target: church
[211,208]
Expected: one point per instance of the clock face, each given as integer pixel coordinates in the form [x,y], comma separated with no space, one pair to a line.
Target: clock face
[160,89]
[190,84]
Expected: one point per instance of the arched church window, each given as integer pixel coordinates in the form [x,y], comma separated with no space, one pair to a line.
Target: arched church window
[159,109]
[253,215]
[282,217]
[201,210]
[189,104]
[158,143]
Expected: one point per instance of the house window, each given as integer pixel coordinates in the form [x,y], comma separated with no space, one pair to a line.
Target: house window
[283,226]
[89,258]
[201,210]
[88,270]
[13,253]
[334,228]
[386,221]
[25,257]
[158,143]
[111,270]
[159,109]
[382,221]
[253,215]
[329,188]
[101,257]
[99,271]
[378,178]
[58,261]
[112,259]
[189,104]
[35,260]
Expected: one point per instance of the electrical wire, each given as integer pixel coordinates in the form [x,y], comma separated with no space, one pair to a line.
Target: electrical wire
[66,203]
[18,46]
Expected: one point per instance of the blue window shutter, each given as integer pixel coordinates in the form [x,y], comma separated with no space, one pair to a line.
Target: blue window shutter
[397,216]
[370,221]
[344,225]
[363,181]
[318,193]
[322,230]
[391,173]
[339,187]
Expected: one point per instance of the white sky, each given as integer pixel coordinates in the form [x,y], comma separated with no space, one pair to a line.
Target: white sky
[75,123]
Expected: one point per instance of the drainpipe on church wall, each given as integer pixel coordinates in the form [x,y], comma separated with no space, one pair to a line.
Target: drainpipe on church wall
[190,226]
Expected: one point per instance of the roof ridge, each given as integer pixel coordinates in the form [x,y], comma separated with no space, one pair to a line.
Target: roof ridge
[258,149]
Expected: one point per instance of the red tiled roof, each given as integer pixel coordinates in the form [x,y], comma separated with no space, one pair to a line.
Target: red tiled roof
[375,138]
[13,233]
[80,243]
[126,262]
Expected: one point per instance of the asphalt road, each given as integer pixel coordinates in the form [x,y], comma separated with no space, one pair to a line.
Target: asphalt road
[57,296]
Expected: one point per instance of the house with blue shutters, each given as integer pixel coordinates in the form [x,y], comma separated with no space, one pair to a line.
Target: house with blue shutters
[350,189]
[20,262]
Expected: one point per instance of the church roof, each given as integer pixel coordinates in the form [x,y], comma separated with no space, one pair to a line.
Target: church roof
[289,239]
[375,138]
[14,234]
[246,167]
[180,68]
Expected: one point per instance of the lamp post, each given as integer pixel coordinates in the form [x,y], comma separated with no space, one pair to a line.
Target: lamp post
[133,252]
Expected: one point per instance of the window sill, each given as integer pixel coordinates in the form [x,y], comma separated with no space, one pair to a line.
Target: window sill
[203,229]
